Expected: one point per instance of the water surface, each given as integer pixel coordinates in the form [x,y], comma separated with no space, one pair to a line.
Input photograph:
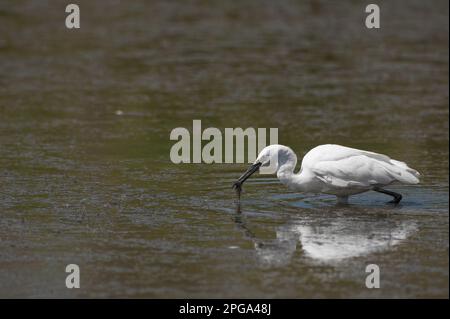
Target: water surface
[85,118]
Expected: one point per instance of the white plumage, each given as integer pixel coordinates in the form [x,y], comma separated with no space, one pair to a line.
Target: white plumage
[335,169]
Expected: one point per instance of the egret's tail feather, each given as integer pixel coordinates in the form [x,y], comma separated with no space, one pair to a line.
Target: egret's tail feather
[405,174]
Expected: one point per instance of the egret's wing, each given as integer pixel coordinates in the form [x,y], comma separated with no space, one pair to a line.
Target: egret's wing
[333,152]
[353,171]
[342,166]
[361,171]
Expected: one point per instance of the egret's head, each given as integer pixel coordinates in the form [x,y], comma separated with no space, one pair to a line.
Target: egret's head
[270,159]
[269,156]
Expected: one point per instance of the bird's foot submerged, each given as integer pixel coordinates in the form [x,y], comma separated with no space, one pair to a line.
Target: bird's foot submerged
[396,200]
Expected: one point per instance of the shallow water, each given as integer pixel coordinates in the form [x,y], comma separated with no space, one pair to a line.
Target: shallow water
[83,183]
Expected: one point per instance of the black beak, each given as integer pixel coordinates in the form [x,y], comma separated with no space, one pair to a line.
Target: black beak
[253,168]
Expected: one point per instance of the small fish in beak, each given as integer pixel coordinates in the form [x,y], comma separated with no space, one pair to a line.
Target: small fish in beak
[238,184]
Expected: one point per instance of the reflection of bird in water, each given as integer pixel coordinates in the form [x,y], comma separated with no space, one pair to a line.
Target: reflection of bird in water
[335,170]
[329,239]
[278,251]
[346,238]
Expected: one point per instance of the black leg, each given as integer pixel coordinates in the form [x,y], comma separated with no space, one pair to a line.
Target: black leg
[397,196]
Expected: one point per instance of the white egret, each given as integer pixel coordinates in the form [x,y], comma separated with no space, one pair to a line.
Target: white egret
[334,169]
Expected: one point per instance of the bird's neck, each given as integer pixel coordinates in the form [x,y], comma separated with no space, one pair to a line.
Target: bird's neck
[298,182]
[286,173]
[301,181]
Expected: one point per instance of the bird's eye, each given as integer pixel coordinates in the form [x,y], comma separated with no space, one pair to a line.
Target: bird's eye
[266,164]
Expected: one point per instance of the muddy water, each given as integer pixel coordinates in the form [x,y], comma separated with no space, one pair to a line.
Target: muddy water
[85,173]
